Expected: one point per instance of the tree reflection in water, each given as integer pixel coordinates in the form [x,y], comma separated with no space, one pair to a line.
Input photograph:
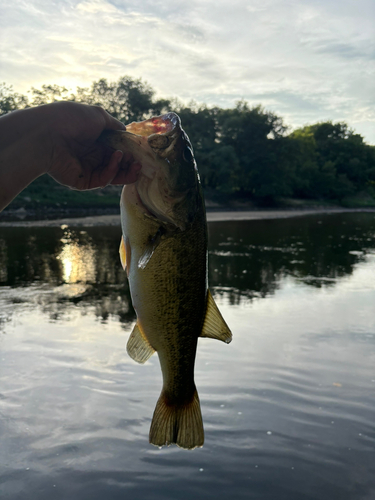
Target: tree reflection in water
[62,268]
[65,268]
[249,259]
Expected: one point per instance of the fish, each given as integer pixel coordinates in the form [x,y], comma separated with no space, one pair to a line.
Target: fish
[164,252]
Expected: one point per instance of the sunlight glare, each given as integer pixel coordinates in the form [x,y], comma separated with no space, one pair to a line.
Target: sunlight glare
[78,261]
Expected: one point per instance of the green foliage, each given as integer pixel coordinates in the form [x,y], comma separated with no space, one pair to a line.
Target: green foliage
[332,162]
[200,124]
[243,151]
[45,192]
[48,94]
[127,100]
[257,137]
[10,100]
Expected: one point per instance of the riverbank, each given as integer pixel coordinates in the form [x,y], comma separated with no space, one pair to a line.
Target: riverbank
[212,216]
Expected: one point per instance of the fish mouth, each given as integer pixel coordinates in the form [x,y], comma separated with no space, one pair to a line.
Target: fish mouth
[168,168]
[163,124]
[168,177]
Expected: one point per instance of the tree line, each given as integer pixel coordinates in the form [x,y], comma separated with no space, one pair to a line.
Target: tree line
[243,152]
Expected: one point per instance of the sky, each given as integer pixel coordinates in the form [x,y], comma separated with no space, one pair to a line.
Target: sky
[305,60]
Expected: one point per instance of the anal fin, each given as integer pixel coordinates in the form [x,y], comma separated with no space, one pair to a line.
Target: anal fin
[214,325]
[138,347]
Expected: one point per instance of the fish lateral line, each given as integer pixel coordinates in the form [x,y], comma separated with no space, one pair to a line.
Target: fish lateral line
[165,207]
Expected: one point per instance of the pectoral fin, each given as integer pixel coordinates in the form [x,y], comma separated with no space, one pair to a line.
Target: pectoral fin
[138,347]
[214,325]
[151,247]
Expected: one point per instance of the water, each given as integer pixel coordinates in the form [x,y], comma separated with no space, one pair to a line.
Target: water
[288,406]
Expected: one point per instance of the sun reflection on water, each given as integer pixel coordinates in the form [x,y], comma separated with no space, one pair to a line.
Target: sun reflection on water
[78,259]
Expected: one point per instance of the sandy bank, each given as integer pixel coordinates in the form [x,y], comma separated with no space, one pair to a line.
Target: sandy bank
[114,220]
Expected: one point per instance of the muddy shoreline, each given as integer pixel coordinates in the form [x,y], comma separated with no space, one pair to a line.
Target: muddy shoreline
[212,216]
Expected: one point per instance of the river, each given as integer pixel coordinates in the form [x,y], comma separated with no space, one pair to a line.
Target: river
[288,406]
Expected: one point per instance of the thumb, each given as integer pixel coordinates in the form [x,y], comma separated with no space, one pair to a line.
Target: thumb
[112,123]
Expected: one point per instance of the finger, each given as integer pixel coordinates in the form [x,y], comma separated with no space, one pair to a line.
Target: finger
[104,176]
[112,123]
[127,175]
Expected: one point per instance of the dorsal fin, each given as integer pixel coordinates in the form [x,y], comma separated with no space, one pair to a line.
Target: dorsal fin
[138,347]
[214,325]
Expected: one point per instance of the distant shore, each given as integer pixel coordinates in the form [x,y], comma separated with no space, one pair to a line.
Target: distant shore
[212,216]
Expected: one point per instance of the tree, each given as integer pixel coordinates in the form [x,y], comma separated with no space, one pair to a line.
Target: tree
[335,162]
[200,124]
[50,93]
[127,100]
[257,137]
[10,100]
[240,151]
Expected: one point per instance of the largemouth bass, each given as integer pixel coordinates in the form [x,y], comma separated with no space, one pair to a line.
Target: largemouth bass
[164,252]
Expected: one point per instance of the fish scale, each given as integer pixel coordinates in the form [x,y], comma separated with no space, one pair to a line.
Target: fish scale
[164,250]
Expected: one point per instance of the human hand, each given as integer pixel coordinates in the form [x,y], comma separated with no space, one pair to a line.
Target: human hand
[60,139]
[77,159]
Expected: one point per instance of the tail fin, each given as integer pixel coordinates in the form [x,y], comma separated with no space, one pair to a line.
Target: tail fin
[181,424]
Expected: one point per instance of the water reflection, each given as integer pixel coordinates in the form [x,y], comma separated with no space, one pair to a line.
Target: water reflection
[56,269]
[247,260]
[77,258]
[288,406]
[3,261]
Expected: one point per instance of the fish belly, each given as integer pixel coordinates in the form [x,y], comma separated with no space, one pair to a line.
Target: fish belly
[169,296]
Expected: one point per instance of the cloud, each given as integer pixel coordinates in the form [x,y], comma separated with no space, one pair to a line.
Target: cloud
[345,50]
[308,60]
